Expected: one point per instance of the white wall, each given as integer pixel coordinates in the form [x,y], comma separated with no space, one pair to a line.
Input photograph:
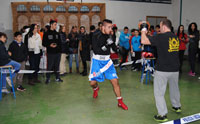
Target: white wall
[130,13]
[190,12]
[122,13]
[175,13]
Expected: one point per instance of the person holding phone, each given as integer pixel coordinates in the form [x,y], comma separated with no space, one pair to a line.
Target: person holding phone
[52,42]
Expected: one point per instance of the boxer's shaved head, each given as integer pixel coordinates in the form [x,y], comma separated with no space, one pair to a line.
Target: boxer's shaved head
[107,26]
[106,21]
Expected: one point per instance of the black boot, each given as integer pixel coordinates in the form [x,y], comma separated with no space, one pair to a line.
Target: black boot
[84,73]
[70,70]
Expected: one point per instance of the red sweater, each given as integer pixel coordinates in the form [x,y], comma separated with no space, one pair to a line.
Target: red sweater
[183,42]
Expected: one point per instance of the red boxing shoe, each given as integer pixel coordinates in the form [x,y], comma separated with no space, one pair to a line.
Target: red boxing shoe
[95,92]
[121,104]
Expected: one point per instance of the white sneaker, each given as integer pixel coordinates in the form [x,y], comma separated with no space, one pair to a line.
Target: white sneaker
[5,91]
[8,81]
[199,78]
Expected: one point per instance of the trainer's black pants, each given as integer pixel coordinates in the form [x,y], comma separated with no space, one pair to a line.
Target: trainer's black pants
[53,64]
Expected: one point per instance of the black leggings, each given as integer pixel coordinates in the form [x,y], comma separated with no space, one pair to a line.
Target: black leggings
[192,55]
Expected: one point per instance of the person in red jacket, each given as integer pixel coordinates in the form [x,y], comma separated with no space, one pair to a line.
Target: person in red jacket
[183,41]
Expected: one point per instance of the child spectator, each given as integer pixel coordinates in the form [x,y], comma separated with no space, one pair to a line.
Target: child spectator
[136,49]
[124,44]
[18,51]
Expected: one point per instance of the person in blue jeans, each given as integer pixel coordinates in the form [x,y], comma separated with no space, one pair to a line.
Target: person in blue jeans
[136,50]
[73,48]
[74,52]
[124,44]
[5,61]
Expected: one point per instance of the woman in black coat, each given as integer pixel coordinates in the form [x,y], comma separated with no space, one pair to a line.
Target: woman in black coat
[64,50]
[193,35]
[84,47]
